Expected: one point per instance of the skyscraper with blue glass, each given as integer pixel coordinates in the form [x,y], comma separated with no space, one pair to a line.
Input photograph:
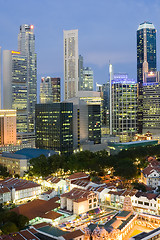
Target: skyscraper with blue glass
[146,61]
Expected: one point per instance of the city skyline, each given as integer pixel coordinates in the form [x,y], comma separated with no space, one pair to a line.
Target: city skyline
[102,37]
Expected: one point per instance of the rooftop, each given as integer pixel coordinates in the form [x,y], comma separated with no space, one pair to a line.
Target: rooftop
[39,208]
[78,175]
[29,153]
[146,25]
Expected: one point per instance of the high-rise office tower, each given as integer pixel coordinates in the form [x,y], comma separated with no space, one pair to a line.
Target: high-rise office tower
[70,63]
[0,78]
[87,84]
[26,45]
[124,107]
[15,87]
[146,61]
[54,127]
[46,95]
[151,103]
[80,72]
[56,89]
[50,90]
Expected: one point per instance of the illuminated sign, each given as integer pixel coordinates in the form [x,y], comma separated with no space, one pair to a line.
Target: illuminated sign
[31,27]
[14,52]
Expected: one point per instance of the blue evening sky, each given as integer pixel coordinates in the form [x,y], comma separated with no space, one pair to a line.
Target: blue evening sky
[107,31]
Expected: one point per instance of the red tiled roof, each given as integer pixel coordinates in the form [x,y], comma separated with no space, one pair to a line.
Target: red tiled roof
[40,225]
[74,234]
[77,193]
[22,235]
[4,190]
[36,208]
[78,175]
[18,184]
[52,179]
[51,215]
[147,195]
[81,183]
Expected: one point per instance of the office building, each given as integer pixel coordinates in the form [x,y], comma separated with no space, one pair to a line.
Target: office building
[105,95]
[0,78]
[124,107]
[50,90]
[7,127]
[87,79]
[151,104]
[146,61]
[46,95]
[15,87]
[26,45]
[86,122]
[80,72]
[70,63]
[54,127]
[56,89]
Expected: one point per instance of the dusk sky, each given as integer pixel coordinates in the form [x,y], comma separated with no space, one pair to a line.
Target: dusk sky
[107,31]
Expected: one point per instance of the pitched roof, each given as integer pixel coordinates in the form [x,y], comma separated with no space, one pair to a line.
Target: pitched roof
[51,215]
[147,195]
[36,208]
[81,183]
[52,179]
[74,234]
[78,175]
[22,235]
[18,183]
[77,194]
[4,190]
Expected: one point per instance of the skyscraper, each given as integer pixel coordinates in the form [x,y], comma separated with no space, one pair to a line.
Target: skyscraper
[46,95]
[124,107]
[0,79]
[54,127]
[26,45]
[15,87]
[87,79]
[50,90]
[70,63]
[80,72]
[146,61]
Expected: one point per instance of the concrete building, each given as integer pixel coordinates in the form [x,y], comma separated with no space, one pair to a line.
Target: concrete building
[54,127]
[79,201]
[16,189]
[80,72]
[8,127]
[151,174]
[86,122]
[124,107]
[146,62]
[70,63]
[18,162]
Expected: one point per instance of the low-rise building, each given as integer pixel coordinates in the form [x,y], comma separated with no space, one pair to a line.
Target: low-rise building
[14,189]
[57,184]
[151,174]
[79,201]
[18,162]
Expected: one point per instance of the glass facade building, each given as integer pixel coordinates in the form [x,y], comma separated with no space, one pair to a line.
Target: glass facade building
[54,127]
[87,84]
[15,86]
[124,107]
[94,123]
[151,103]
[146,61]
[26,45]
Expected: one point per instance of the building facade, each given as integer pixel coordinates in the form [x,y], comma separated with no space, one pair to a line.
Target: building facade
[15,87]
[46,95]
[8,127]
[124,107]
[70,63]
[26,45]
[80,72]
[146,61]
[54,127]
[87,79]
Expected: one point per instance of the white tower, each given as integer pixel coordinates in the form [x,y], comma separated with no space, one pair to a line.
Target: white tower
[70,63]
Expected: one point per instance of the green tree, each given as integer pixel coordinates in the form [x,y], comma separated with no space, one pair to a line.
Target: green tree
[9,227]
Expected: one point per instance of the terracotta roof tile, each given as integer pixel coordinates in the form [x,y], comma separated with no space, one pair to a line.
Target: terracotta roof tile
[74,234]
[51,215]
[36,208]
[78,175]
